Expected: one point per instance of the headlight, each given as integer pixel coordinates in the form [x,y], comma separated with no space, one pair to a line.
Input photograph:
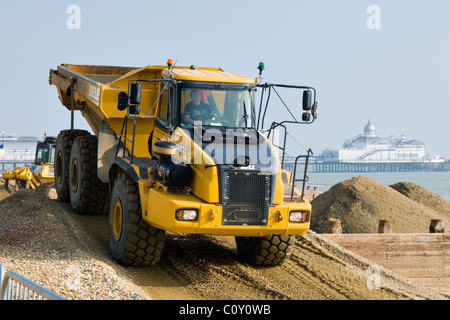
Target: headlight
[186,214]
[298,216]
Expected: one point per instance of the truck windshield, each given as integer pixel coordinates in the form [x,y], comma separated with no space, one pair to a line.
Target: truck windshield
[217,107]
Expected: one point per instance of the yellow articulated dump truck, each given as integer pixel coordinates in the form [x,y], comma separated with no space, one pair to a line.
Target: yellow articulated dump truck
[178,149]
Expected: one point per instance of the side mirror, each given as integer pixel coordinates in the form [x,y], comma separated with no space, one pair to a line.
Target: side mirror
[135,93]
[306,100]
[122,102]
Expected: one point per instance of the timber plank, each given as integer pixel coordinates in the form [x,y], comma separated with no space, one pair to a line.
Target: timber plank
[421,257]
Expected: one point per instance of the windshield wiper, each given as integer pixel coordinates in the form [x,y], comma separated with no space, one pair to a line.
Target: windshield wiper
[237,163]
[218,164]
[244,117]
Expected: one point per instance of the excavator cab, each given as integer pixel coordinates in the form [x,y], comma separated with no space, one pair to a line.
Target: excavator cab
[45,151]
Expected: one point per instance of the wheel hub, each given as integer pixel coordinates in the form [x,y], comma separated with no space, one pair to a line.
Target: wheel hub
[117,220]
[74,175]
[58,167]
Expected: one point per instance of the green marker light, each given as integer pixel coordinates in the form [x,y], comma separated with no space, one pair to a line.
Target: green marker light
[260,68]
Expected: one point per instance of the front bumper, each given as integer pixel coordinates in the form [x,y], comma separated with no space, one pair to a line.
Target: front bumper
[159,208]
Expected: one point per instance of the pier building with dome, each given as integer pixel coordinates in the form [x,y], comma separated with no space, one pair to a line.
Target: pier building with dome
[371,152]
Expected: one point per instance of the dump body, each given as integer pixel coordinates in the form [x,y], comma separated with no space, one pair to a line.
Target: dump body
[221,178]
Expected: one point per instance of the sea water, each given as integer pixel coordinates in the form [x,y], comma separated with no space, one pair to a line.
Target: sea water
[437,182]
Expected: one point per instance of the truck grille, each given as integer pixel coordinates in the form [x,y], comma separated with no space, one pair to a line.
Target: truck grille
[246,197]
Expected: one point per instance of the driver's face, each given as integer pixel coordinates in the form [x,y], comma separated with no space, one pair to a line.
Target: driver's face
[195,97]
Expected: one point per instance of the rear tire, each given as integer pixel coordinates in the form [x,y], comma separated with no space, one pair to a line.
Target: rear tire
[132,241]
[62,157]
[271,250]
[88,195]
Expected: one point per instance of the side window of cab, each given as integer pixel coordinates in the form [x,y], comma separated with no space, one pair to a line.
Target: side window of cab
[164,110]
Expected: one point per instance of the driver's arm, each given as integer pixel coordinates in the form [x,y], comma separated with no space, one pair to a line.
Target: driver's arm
[212,115]
[186,118]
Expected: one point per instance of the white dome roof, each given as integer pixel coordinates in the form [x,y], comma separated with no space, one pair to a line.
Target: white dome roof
[369,129]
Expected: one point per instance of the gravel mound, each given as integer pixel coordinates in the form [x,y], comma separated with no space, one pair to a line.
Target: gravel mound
[3,193]
[360,202]
[43,240]
[423,196]
[40,241]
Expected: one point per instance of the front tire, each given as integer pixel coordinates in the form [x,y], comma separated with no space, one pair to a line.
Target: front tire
[271,250]
[132,241]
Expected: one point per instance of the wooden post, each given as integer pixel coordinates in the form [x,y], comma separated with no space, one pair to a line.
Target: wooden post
[385,226]
[334,226]
[437,226]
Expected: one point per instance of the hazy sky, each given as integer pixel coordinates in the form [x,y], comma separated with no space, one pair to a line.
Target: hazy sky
[398,75]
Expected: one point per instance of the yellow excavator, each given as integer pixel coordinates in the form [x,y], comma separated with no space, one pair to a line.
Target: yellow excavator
[40,173]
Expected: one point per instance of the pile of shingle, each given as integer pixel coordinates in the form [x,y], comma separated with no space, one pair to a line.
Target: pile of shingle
[360,203]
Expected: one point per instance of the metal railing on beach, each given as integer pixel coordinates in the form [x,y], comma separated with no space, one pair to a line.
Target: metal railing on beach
[13,286]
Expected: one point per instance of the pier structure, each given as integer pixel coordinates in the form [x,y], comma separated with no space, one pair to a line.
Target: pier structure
[336,166]
[370,152]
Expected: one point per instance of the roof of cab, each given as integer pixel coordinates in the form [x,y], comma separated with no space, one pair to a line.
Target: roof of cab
[208,75]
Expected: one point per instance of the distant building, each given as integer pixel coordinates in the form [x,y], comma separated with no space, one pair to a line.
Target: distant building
[371,147]
[16,151]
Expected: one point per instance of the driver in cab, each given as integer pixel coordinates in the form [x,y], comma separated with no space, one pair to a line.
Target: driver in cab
[197,110]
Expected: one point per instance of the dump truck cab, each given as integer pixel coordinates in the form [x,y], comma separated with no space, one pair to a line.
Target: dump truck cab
[212,127]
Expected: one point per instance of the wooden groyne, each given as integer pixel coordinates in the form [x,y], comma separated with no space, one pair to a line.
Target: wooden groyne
[421,257]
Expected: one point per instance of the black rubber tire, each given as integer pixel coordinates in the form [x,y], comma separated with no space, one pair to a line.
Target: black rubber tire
[62,157]
[133,242]
[88,195]
[271,250]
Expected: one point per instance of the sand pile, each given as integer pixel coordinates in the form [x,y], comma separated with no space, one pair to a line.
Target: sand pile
[44,241]
[3,193]
[40,241]
[359,203]
[423,196]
